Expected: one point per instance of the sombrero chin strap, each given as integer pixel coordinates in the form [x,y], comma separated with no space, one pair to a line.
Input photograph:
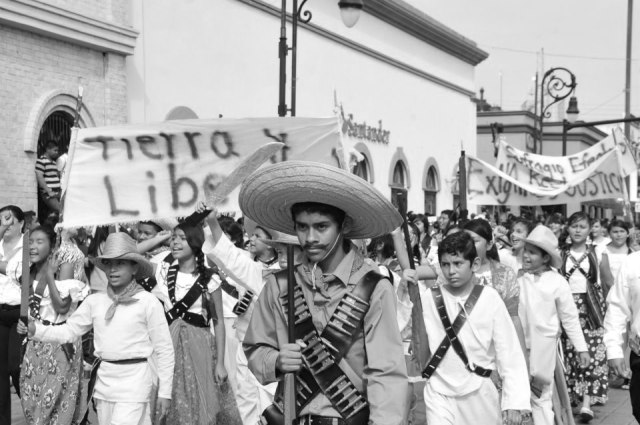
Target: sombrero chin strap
[315,265]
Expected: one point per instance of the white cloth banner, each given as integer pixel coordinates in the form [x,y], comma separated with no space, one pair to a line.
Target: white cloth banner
[132,173]
[555,174]
[487,185]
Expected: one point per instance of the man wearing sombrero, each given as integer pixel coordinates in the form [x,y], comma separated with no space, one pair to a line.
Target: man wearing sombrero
[348,357]
[129,326]
[245,279]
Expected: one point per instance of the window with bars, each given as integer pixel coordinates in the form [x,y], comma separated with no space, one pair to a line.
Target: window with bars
[56,127]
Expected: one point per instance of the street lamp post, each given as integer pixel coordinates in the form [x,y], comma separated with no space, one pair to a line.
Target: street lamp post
[557,83]
[568,125]
[349,12]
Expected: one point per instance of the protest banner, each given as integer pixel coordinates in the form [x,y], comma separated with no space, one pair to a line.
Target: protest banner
[487,185]
[131,173]
[555,174]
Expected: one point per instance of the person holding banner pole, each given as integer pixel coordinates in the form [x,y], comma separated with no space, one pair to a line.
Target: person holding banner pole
[52,376]
[11,246]
[249,274]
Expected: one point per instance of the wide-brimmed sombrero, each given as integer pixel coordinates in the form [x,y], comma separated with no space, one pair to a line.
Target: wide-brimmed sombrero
[268,194]
[546,240]
[121,246]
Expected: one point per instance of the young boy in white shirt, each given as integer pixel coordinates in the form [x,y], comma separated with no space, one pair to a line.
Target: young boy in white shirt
[129,326]
[472,324]
[545,302]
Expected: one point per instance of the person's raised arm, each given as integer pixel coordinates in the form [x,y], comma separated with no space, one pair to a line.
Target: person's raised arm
[151,243]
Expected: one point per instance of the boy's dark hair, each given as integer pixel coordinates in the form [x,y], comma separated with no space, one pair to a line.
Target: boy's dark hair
[50,143]
[388,249]
[459,243]
[618,223]
[315,207]
[152,224]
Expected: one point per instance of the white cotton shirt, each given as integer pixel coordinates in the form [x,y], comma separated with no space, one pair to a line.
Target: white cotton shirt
[623,308]
[239,266]
[545,302]
[73,288]
[184,282]
[10,292]
[137,330]
[489,340]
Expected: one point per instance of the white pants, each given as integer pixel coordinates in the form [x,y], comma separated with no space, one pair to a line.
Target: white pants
[121,413]
[542,408]
[230,351]
[252,397]
[480,406]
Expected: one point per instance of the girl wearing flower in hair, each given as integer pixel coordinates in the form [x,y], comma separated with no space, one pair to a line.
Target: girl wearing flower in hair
[545,302]
[580,269]
[51,378]
[192,299]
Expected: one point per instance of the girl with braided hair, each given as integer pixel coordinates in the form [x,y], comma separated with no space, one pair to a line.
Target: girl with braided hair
[192,300]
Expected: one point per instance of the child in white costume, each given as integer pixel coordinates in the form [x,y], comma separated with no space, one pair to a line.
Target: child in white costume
[545,302]
[129,326]
[459,390]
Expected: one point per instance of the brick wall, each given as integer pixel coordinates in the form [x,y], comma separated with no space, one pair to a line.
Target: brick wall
[32,65]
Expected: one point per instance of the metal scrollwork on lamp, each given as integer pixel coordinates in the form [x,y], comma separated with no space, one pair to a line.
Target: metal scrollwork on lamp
[558,83]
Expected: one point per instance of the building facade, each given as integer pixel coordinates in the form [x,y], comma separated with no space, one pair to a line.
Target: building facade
[47,50]
[402,81]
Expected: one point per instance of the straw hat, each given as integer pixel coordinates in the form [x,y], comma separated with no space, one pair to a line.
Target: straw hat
[164,223]
[543,238]
[276,237]
[122,247]
[268,194]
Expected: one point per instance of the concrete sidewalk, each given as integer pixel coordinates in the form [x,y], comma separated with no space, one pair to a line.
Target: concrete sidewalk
[616,412]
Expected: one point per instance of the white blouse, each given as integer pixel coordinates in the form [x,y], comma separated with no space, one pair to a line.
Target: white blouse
[577,281]
[184,282]
[9,283]
[73,288]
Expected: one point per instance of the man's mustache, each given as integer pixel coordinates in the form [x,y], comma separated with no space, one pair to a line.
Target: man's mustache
[312,246]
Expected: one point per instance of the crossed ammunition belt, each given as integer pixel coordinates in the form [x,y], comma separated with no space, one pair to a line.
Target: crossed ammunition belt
[323,353]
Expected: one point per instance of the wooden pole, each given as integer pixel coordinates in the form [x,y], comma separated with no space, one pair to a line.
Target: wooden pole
[462,180]
[419,337]
[290,378]
[25,286]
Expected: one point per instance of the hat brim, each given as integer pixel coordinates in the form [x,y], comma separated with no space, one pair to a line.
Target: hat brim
[282,239]
[556,260]
[145,268]
[268,195]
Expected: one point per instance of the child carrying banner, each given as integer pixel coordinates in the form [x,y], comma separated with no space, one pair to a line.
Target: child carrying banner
[51,379]
[470,334]
[545,302]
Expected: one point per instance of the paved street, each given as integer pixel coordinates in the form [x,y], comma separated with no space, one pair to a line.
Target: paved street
[616,412]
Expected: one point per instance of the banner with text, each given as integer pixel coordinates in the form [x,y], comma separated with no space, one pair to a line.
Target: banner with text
[553,174]
[487,185]
[132,173]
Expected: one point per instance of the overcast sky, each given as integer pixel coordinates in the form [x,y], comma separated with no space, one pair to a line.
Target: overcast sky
[586,36]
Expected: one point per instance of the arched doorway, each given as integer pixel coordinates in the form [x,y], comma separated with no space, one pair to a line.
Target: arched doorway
[431,185]
[362,169]
[56,127]
[398,182]
[56,130]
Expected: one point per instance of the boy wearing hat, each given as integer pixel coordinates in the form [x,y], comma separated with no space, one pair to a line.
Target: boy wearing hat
[129,326]
[348,356]
[470,334]
[545,303]
[247,269]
